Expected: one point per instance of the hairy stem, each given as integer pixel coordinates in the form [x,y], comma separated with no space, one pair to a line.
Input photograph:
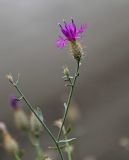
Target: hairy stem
[43,124]
[69,100]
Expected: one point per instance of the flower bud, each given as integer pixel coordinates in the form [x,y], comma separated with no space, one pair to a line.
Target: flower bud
[14,102]
[35,125]
[77,50]
[20,116]
[10,78]
[58,123]
[10,144]
[21,119]
[66,71]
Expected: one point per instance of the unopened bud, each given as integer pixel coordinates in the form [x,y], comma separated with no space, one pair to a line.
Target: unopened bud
[58,123]
[66,71]
[10,78]
[21,119]
[35,125]
[10,144]
[77,50]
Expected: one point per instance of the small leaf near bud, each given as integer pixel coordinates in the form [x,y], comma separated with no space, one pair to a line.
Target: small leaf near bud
[39,113]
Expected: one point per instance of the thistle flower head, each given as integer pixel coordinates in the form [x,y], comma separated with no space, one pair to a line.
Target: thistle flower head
[71,33]
[14,102]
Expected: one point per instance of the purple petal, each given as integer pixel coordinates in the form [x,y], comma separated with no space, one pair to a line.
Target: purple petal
[82,28]
[14,102]
[61,42]
[65,32]
[74,26]
[69,30]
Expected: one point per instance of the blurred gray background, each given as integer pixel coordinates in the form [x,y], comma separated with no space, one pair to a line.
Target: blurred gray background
[28,31]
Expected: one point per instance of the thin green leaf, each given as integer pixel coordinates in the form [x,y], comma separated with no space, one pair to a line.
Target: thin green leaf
[66,140]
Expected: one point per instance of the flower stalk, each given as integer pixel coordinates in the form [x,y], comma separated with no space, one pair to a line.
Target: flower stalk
[69,99]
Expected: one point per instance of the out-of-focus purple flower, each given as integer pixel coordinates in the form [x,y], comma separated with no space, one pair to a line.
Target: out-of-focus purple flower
[14,102]
[71,33]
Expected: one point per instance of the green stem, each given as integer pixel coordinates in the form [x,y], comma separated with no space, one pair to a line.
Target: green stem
[69,101]
[67,145]
[16,156]
[39,150]
[34,140]
[43,124]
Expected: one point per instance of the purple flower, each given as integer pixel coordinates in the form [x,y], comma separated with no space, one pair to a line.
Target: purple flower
[71,33]
[14,102]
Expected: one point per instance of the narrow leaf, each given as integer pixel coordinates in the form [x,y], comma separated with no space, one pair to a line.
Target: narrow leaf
[66,140]
[39,113]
